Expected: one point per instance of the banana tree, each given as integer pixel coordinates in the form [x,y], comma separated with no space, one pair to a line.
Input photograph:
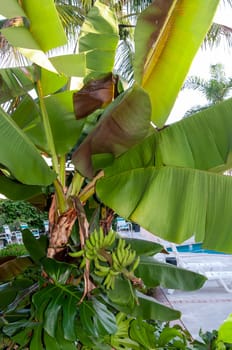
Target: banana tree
[93,284]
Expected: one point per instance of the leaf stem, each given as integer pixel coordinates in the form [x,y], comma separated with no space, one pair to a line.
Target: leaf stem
[47,128]
[61,201]
[62,170]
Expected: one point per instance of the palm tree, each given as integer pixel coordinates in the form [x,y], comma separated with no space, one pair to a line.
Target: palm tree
[215,90]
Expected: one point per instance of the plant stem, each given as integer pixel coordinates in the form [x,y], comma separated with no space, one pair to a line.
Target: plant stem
[60,197]
[47,128]
[75,185]
[62,171]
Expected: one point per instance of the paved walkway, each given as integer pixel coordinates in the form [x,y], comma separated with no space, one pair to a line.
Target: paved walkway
[205,308]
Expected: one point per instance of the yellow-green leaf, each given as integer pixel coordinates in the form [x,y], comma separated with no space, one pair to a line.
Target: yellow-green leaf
[171,52]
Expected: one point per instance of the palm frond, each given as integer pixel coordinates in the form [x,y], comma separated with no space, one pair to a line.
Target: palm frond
[216,89]
[124,60]
[218,34]
[227,2]
[70,16]
[195,83]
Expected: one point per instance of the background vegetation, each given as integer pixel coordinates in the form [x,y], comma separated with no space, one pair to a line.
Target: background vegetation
[13,213]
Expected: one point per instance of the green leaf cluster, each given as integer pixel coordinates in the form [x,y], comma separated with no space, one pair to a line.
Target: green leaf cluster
[51,307]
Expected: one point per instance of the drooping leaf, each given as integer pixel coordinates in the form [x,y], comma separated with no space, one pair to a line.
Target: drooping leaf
[177,212]
[174,336]
[62,341]
[68,320]
[163,29]
[32,170]
[149,309]
[124,123]
[143,247]
[52,311]
[36,247]
[154,273]
[17,191]
[202,141]
[13,267]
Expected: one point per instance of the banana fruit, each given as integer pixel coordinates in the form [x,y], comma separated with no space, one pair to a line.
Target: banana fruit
[109,257]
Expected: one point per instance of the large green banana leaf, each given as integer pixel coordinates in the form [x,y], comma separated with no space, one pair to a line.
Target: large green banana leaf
[19,155]
[155,273]
[174,203]
[167,37]
[202,141]
[173,196]
[17,191]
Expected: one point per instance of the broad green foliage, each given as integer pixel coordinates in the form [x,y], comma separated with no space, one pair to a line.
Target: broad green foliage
[33,169]
[172,161]
[58,314]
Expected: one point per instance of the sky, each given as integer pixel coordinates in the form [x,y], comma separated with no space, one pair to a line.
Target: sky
[200,67]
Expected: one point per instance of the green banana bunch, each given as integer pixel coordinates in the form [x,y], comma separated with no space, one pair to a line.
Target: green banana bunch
[124,256]
[96,242]
[108,262]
